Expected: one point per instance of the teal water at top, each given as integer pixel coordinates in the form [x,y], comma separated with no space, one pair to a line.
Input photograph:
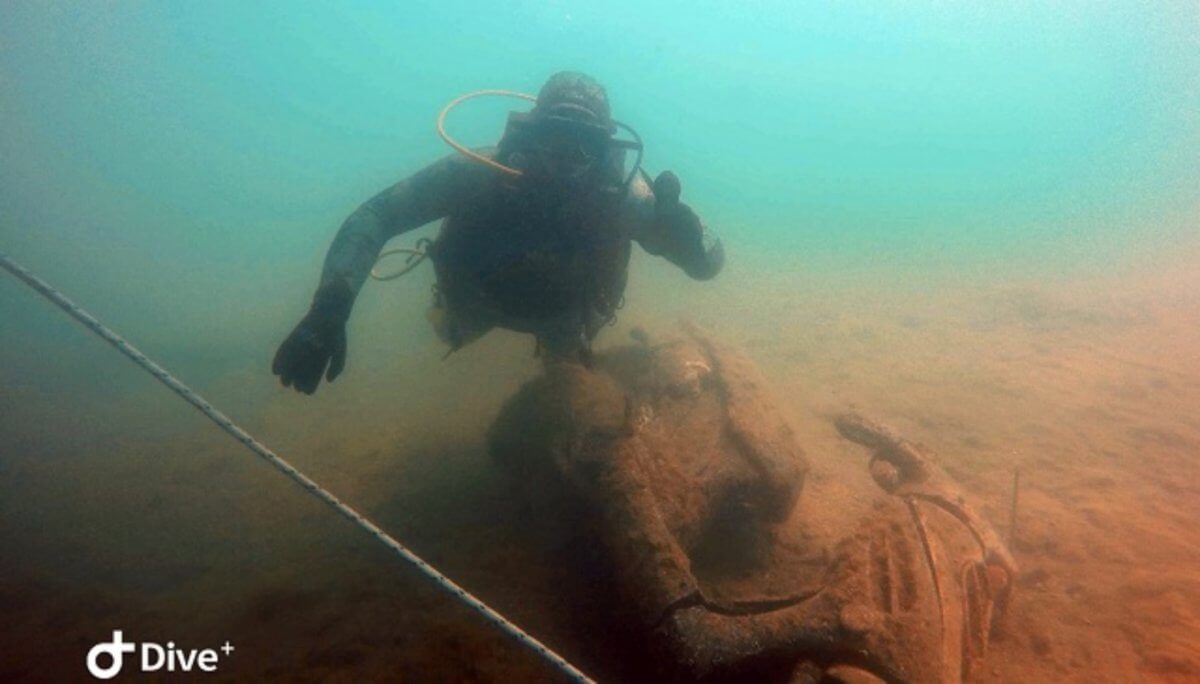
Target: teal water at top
[167,159]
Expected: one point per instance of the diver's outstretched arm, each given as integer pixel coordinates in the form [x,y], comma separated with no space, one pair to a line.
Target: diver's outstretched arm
[425,196]
[318,343]
[666,227]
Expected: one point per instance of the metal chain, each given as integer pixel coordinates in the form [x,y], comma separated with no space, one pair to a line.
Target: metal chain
[222,421]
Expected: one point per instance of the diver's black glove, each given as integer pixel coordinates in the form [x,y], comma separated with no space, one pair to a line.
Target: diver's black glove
[317,342]
[703,255]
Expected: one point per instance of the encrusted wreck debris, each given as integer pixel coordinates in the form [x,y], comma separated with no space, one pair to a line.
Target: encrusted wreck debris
[690,468]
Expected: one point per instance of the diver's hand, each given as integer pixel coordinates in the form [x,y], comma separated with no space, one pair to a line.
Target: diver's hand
[700,254]
[317,345]
[676,220]
[666,193]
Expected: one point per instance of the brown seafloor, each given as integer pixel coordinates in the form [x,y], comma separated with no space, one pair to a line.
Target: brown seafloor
[1091,388]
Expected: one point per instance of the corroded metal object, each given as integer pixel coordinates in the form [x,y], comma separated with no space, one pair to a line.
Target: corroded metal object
[691,470]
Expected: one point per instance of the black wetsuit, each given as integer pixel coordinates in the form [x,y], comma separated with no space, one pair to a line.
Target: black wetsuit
[540,258]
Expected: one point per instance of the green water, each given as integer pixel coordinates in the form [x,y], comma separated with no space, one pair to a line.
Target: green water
[168,157]
[180,169]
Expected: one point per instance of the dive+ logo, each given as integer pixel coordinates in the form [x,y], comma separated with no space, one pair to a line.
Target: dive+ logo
[153,657]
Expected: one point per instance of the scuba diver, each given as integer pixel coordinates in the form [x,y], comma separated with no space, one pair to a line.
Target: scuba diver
[536,236]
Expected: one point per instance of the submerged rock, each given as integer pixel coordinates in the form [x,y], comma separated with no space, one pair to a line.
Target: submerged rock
[684,459]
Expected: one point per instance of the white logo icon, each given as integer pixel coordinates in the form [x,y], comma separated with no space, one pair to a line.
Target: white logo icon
[115,650]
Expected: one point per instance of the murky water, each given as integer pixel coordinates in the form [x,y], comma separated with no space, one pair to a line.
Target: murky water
[976,221]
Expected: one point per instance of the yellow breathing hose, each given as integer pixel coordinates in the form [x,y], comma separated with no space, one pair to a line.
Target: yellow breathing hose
[441,127]
[416,256]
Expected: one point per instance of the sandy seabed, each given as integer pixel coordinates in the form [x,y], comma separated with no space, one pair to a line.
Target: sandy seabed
[129,512]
